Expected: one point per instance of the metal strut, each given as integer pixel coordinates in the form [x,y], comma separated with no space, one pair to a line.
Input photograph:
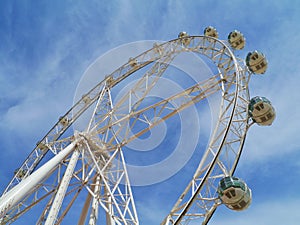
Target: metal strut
[61,192]
[28,185]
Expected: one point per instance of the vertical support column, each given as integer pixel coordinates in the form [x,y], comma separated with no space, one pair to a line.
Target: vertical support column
[95,204]
[109,219]
[62,189]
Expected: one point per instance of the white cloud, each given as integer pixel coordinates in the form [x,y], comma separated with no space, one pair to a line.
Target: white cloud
[276,211]
[47,92]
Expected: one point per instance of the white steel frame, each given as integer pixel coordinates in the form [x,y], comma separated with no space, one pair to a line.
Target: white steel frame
[87,160]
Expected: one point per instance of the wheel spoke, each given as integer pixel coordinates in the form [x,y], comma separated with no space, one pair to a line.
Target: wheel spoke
[89,164]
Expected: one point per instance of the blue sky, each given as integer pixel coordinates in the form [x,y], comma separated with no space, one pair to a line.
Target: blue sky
[46,46]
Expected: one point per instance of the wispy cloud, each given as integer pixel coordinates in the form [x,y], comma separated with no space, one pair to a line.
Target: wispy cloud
[45,49]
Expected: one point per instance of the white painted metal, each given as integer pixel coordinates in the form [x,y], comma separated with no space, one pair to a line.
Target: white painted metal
[59,197]
[109,219]
[102,144]
[113,199]
[30,183]
[95,203]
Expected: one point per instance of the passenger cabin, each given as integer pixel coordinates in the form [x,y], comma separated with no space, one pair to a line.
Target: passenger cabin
[184,41]
[256,62]
[64,121]
[236,40]
[211,32]
[234,193]
[261,111]
[19,173]
[132,62]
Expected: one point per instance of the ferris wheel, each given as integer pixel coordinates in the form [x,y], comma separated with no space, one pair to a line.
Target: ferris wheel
[84,173]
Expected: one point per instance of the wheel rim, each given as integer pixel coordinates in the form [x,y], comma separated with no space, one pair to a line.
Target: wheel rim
[227,140]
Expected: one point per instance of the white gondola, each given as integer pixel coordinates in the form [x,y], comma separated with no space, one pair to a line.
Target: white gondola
[184,41]
[256,62]
[20,173]
[234,193]
[236,40]
[211,31]
[182,34]
[63,121]
[261,111]
[132,62]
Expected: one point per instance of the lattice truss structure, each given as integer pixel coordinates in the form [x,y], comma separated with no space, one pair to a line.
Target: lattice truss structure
[63,167]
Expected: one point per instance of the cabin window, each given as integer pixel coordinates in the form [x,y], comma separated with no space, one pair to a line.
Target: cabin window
[223,185]
[228,195]
[255,56]
[259,107]
[243,204]
[236,207]
[232,192]
[263,119]
[269,115]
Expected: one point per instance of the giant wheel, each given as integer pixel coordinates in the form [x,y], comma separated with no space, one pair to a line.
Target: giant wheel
[63,165]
